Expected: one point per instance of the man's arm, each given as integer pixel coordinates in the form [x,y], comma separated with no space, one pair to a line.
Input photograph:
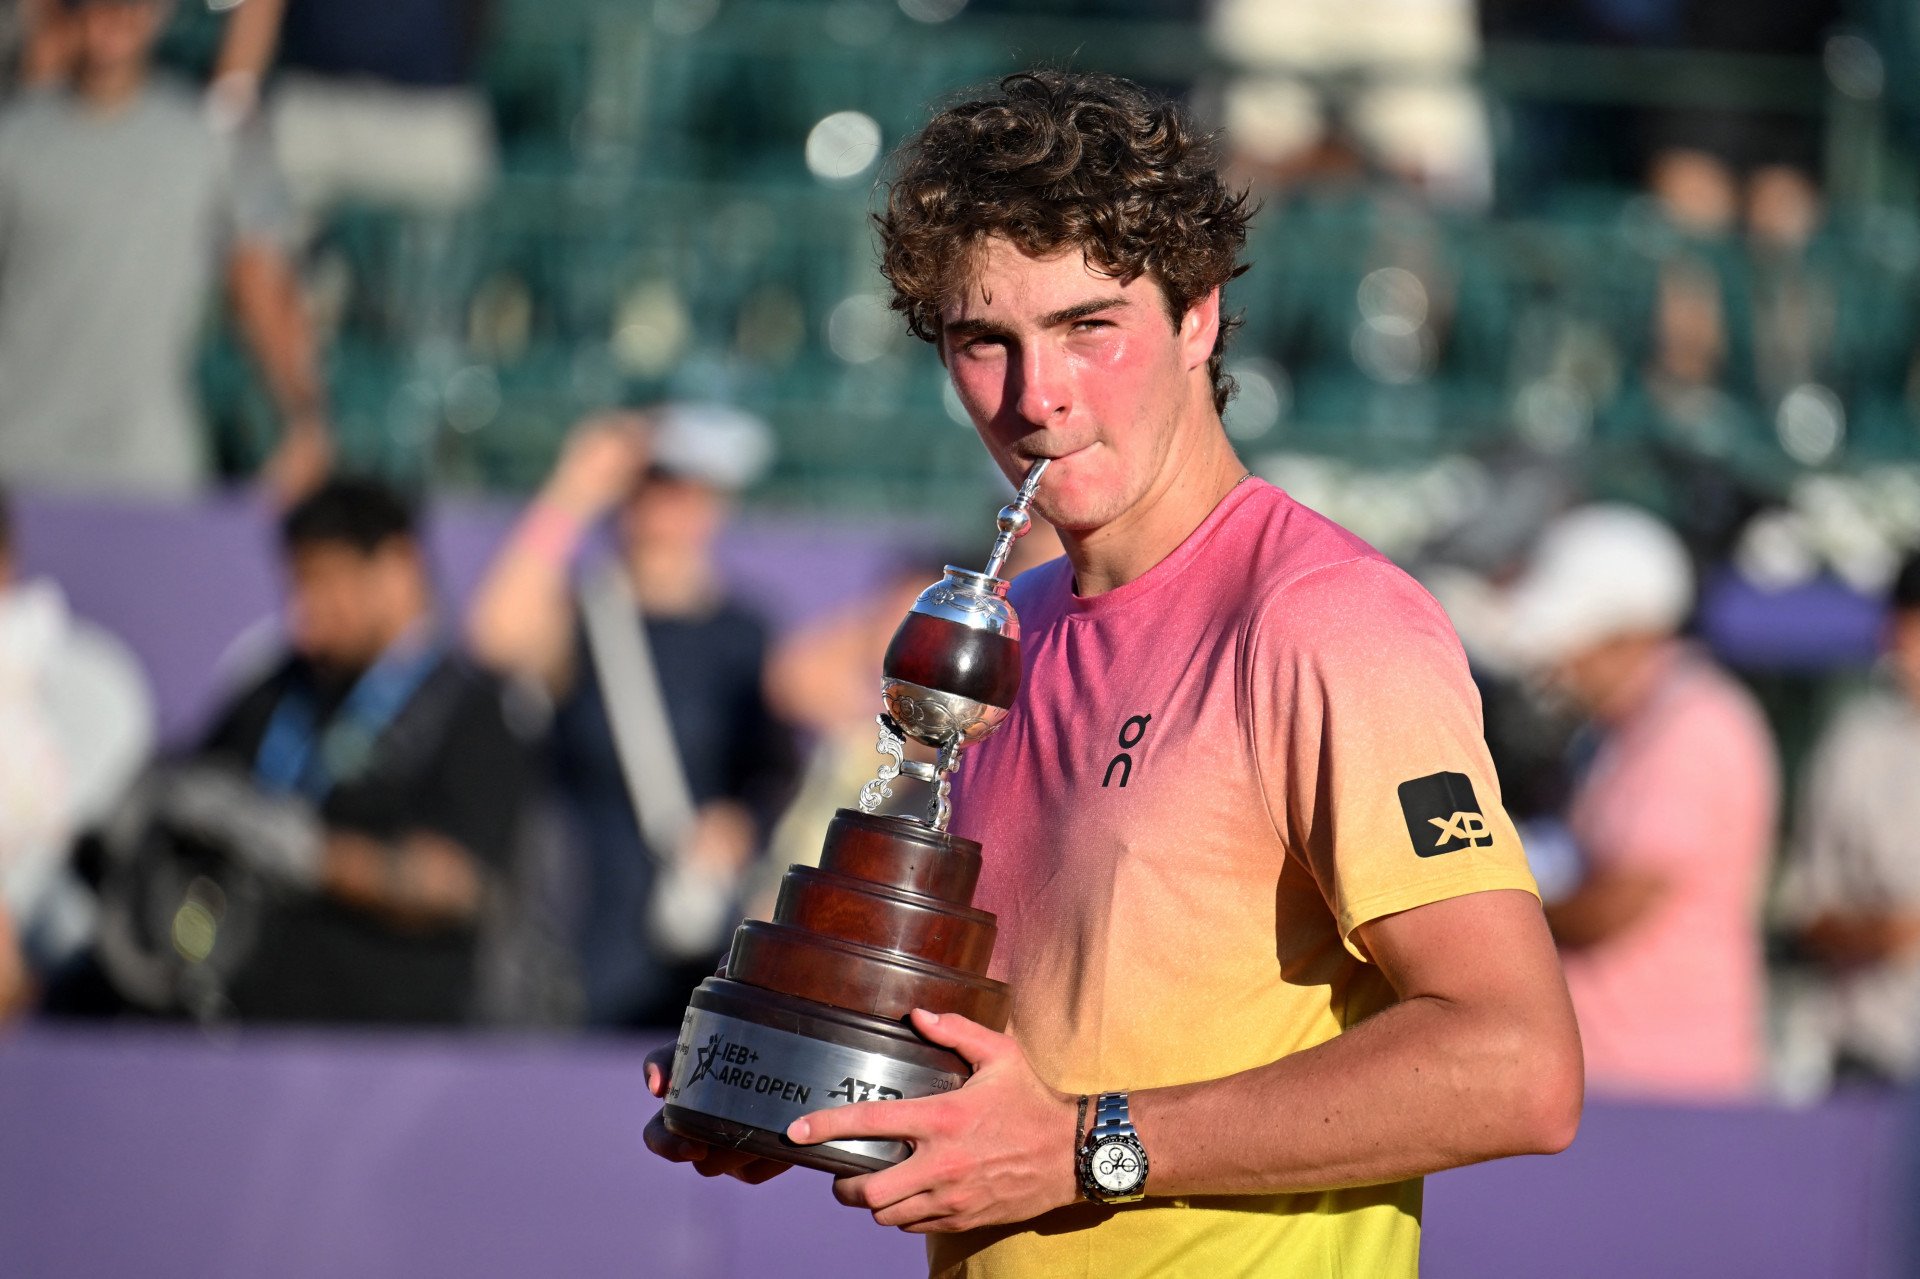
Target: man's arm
[423,881]
[1861,937]
[246,55]
[1611,900]
[1479,1058]
[521,621]
[272,316]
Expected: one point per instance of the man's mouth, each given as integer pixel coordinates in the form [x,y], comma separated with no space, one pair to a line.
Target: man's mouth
[1052,455]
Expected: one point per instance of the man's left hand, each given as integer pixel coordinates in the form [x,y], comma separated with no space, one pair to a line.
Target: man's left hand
[999,1149]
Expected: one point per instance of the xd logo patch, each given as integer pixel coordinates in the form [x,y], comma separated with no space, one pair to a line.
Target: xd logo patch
[1443,814]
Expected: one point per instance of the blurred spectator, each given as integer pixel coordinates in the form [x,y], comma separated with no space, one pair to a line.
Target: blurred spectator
[1853,889]
[1673,814]
[77,721]
[327,852]
[1393,76]
[671,763]
[371,99]
[116,201]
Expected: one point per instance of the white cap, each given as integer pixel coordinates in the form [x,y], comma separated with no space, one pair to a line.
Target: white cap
[715,444]
[1598,572]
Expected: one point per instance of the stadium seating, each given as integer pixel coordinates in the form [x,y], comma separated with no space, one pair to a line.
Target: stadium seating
[655,231]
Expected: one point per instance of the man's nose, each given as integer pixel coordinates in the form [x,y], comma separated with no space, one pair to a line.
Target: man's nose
[1045,393]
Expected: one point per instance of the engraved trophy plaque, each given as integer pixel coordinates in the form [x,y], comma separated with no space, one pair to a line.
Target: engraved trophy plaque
[812,1011]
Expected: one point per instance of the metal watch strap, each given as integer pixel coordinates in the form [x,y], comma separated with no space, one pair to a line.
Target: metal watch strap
[1112,1120]
[1111,1117]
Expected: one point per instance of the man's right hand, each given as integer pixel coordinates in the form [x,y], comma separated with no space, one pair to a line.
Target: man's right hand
[600,463]
[708,1161]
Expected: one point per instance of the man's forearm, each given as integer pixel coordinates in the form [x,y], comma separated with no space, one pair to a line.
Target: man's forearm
[273,320]
[1423,1085]
[521,619]
[422,881]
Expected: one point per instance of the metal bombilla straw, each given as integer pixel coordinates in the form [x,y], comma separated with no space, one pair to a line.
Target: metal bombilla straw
[1013,521]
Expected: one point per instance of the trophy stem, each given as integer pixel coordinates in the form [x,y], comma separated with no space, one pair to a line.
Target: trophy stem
[938,774]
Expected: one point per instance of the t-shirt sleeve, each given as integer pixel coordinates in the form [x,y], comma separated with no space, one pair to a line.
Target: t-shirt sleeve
[1368,737]
[255,206]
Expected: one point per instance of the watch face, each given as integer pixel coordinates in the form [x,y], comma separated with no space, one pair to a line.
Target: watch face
[1117,1167]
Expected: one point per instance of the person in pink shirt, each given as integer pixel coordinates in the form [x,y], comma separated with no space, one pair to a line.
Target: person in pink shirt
[1674,815]
[1255,886]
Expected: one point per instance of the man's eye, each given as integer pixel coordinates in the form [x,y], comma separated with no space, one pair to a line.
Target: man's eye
[1087,326]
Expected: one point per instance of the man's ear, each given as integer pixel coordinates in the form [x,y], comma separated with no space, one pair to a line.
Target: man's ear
[1200,328]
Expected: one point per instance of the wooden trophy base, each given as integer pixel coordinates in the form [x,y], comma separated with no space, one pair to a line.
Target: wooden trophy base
[813,1010]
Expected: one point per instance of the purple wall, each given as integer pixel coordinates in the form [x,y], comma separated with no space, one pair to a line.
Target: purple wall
[163,1154]
[182,583]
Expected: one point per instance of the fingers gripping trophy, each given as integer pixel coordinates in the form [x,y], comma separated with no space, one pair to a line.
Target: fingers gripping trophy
[812,1011]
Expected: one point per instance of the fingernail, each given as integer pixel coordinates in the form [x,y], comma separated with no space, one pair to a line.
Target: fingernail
[797,1130]
[930,1016]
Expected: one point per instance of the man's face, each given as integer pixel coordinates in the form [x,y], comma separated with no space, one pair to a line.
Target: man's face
[1903,646]
[344,607]
[672,514]
[1054,360]
[116,35]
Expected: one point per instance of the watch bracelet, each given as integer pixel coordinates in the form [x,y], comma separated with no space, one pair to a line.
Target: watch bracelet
[1112,1113]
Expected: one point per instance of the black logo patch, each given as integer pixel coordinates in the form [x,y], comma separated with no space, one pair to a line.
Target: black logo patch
[1443,814]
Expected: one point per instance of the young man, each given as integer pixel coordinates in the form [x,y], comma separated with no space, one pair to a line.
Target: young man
[1255,888]
[120,206]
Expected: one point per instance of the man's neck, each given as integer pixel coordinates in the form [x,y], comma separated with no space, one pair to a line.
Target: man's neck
[109,89]
[673,584]
[1191,486]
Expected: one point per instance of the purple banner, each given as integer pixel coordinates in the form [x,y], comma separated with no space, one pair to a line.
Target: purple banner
[301,1156]
[181,584]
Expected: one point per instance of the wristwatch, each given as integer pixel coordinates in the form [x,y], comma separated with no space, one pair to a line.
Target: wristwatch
[1113,1163]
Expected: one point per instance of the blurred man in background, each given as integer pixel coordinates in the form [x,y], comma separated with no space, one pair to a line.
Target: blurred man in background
[404,752]
[1853,890]
[76,724]
[118,203]
[326,854]
[1673,814]
[373,99]
[671,765]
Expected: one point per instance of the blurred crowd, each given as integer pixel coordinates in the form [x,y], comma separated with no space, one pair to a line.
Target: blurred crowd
[548,805]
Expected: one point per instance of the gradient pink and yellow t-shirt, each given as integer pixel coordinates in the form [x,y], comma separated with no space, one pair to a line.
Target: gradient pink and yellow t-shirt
[1212,776]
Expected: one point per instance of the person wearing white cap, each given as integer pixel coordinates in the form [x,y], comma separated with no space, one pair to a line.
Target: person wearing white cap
[669,763]
[1674,815]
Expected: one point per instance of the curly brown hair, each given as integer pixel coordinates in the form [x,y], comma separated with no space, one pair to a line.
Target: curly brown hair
[1062,159]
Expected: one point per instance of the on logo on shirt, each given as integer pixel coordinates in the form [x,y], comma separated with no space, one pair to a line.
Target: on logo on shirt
[1131,734]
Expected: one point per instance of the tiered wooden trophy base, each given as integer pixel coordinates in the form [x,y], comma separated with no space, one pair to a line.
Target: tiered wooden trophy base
[813,1010]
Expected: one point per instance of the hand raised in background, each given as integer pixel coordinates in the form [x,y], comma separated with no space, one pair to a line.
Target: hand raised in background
[601,461]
